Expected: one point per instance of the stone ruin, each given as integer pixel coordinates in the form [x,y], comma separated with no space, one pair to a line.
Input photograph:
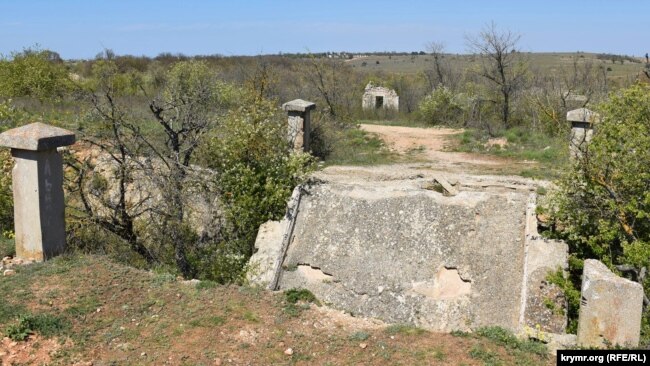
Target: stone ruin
[440,251]
[378,97]
[397,249]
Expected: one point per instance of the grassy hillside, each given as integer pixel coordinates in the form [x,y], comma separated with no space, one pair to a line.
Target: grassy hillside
[78,310]
[544,62]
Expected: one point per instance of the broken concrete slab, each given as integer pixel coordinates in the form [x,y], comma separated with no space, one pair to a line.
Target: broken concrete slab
[375,242]
[403,254]
[263,263]
[271,245]
[449,189]
[610,310]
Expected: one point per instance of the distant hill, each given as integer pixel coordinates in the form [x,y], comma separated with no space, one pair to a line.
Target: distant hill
[616,66]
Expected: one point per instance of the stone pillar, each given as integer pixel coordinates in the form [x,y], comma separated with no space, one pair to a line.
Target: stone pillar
[611,307]
[299,123]
[39,220]
[582,121]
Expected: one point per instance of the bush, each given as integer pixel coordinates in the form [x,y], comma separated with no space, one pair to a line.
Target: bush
[34,73]
[294,295]
[602,207]
[440,107]
[6,195]
[257,173]
[45,324]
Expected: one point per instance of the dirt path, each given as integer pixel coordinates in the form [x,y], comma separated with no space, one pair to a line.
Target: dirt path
[430,145]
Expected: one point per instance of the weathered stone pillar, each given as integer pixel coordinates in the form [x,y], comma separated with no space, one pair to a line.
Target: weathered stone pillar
[299,123]
[582,121]
[39,220]
[611,307]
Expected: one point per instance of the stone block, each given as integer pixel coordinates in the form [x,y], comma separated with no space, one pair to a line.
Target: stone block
[582,115]
[36,137]
[298,105]
[610,309]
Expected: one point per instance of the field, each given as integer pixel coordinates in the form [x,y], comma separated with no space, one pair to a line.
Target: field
[544,62]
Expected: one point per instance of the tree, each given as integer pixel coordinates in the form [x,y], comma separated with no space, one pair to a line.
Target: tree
[34,73]
[150,174]
[570,87]
[435,76]
[501,64]
[602,207]
[109,206]
[185,109]
[334,84]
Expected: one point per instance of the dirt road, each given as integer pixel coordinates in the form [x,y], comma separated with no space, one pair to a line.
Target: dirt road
[431,145]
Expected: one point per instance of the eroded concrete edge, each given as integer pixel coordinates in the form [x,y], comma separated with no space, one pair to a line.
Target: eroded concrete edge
[543,313]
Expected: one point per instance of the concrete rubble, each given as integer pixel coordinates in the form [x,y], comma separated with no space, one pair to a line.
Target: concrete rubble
[611,308]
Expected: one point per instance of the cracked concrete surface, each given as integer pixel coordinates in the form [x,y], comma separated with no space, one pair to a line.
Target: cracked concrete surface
[375,242]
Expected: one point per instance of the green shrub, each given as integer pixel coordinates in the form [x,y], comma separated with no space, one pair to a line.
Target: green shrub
[406,329]
[257,173]
[602,205]
[294,295]
[6,195]
[359,336]
[34,73]
[44,324]
[440,107]
[507,339]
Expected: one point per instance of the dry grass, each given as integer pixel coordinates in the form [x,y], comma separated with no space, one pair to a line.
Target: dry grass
[119,315]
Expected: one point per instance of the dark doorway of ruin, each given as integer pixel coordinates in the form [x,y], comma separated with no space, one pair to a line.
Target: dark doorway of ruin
[379,102]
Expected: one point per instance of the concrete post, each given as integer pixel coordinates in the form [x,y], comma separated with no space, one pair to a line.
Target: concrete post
[39,220]
[299,123]
[582,121]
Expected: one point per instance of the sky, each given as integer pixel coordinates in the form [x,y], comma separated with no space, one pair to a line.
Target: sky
[79,29]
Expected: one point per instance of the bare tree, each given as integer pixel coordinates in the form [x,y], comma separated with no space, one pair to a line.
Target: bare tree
[501,64]
[120,141]
[148,177]
[184,110]
[435,76]
[569,87]
[335,85]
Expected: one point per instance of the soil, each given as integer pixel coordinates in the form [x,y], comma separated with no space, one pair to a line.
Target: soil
[433,145]
[124,316]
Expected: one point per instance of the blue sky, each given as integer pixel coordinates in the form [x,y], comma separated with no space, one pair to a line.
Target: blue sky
[81,29]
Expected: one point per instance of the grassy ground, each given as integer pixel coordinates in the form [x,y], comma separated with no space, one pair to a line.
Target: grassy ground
[353,146]
[550,153]
[81,309]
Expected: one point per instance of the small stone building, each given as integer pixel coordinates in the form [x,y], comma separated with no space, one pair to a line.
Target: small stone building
[378,97]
